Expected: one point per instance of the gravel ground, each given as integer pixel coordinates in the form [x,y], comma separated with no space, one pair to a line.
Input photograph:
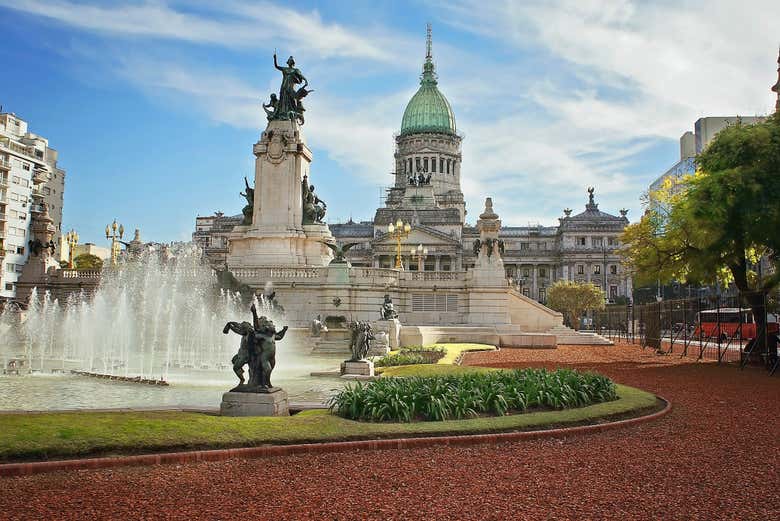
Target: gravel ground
[715,456]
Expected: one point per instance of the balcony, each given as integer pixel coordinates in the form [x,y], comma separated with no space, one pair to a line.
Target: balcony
[4,163]
[2,217]
[3,182]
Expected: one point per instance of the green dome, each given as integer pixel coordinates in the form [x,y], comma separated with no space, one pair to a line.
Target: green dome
[428,110]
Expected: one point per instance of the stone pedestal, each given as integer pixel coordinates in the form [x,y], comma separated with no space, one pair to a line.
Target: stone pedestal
[271,403]
[357,368]
[277,235]
[380,346]
[393,329]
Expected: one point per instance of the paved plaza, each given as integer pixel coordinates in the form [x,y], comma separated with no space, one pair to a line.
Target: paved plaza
[712,457]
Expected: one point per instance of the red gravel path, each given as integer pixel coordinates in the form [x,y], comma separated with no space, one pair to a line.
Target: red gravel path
[715,456]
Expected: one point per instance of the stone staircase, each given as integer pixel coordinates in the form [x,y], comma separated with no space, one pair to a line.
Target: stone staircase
[566,335]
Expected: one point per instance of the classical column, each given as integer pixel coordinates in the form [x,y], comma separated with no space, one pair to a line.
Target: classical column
[535,289]
[436,266]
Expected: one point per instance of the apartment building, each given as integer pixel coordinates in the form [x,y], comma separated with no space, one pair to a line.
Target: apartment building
[28,166]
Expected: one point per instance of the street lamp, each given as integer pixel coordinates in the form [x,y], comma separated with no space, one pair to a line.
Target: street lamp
[420,254]
[111,233]
[72,239]
[399,231]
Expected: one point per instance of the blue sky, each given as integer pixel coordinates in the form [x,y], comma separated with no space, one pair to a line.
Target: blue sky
[154,106]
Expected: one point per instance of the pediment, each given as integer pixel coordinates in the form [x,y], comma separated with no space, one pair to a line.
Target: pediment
[419,235]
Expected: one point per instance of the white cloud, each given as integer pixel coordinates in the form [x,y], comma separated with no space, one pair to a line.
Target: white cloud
[620,76]
[226,24]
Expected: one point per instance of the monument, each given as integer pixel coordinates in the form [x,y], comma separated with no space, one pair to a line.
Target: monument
[359,345]
[283,218]
[255,396]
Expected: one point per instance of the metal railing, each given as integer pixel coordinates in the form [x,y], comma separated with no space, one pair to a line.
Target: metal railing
[720,328]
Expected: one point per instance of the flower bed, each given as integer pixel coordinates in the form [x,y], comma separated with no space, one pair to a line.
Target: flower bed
[456,396]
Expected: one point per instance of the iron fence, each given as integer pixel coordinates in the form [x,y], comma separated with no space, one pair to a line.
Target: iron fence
[721,328]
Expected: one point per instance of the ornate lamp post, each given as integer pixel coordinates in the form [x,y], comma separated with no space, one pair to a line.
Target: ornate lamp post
[420,254]
[399,231]
[111,233]
[72,239]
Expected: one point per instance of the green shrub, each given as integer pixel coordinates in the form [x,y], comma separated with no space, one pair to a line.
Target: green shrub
[431,354]
[456,396]
[400,359]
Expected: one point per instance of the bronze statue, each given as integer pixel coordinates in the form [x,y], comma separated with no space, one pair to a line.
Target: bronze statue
[36,247]
[257,351]
[249,209]
[339,251]
[313,207]
[500,246]
[477,246]
[289,106]
[270,107]
[388,311]
[360,340]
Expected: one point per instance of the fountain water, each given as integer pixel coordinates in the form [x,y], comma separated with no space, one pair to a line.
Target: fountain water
[149,318]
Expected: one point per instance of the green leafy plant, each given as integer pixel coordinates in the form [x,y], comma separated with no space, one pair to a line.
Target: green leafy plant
[400,359]
[456,396]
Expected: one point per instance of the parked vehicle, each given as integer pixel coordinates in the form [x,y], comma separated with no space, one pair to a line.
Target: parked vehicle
[734,323]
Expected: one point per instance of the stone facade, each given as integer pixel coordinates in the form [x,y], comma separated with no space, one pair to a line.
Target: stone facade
[427,194]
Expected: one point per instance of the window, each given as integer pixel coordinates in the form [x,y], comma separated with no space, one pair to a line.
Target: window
[611,241]
[425,164]
[46,190]
[526,293]
[542,295]
[542,272]
[19,232]
[14,196]
[417,162]
[445,263]
[613,292]
[433,164]
[441,165]
[22,216]
[526,272]
[26,166]
[597,242]
[441,302]
[16,179]
[580,269]
[597,269]
[10,267]
[524,246]
[581,241]
[9,287]
[20,250]
[613,269]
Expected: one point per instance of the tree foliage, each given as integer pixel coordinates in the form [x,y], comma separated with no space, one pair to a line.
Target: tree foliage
[87,261]
[574,298]
[717,224]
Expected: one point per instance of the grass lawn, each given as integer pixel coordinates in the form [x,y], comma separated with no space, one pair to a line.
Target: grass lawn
[79,434]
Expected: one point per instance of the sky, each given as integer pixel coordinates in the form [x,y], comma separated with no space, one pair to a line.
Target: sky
[154,105]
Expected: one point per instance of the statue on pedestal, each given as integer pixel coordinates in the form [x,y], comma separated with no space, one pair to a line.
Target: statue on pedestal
[388,311]
[257,351]
[317,327]
[288,105]
[250,203]
[360,340]
[313,207]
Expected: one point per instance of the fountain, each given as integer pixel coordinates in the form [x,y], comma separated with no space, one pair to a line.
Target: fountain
[153,319]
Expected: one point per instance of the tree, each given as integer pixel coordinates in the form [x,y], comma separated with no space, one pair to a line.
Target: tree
[87,261]
[716,225]
[574,298]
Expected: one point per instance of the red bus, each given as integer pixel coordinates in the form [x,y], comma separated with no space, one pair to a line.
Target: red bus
[725,323]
